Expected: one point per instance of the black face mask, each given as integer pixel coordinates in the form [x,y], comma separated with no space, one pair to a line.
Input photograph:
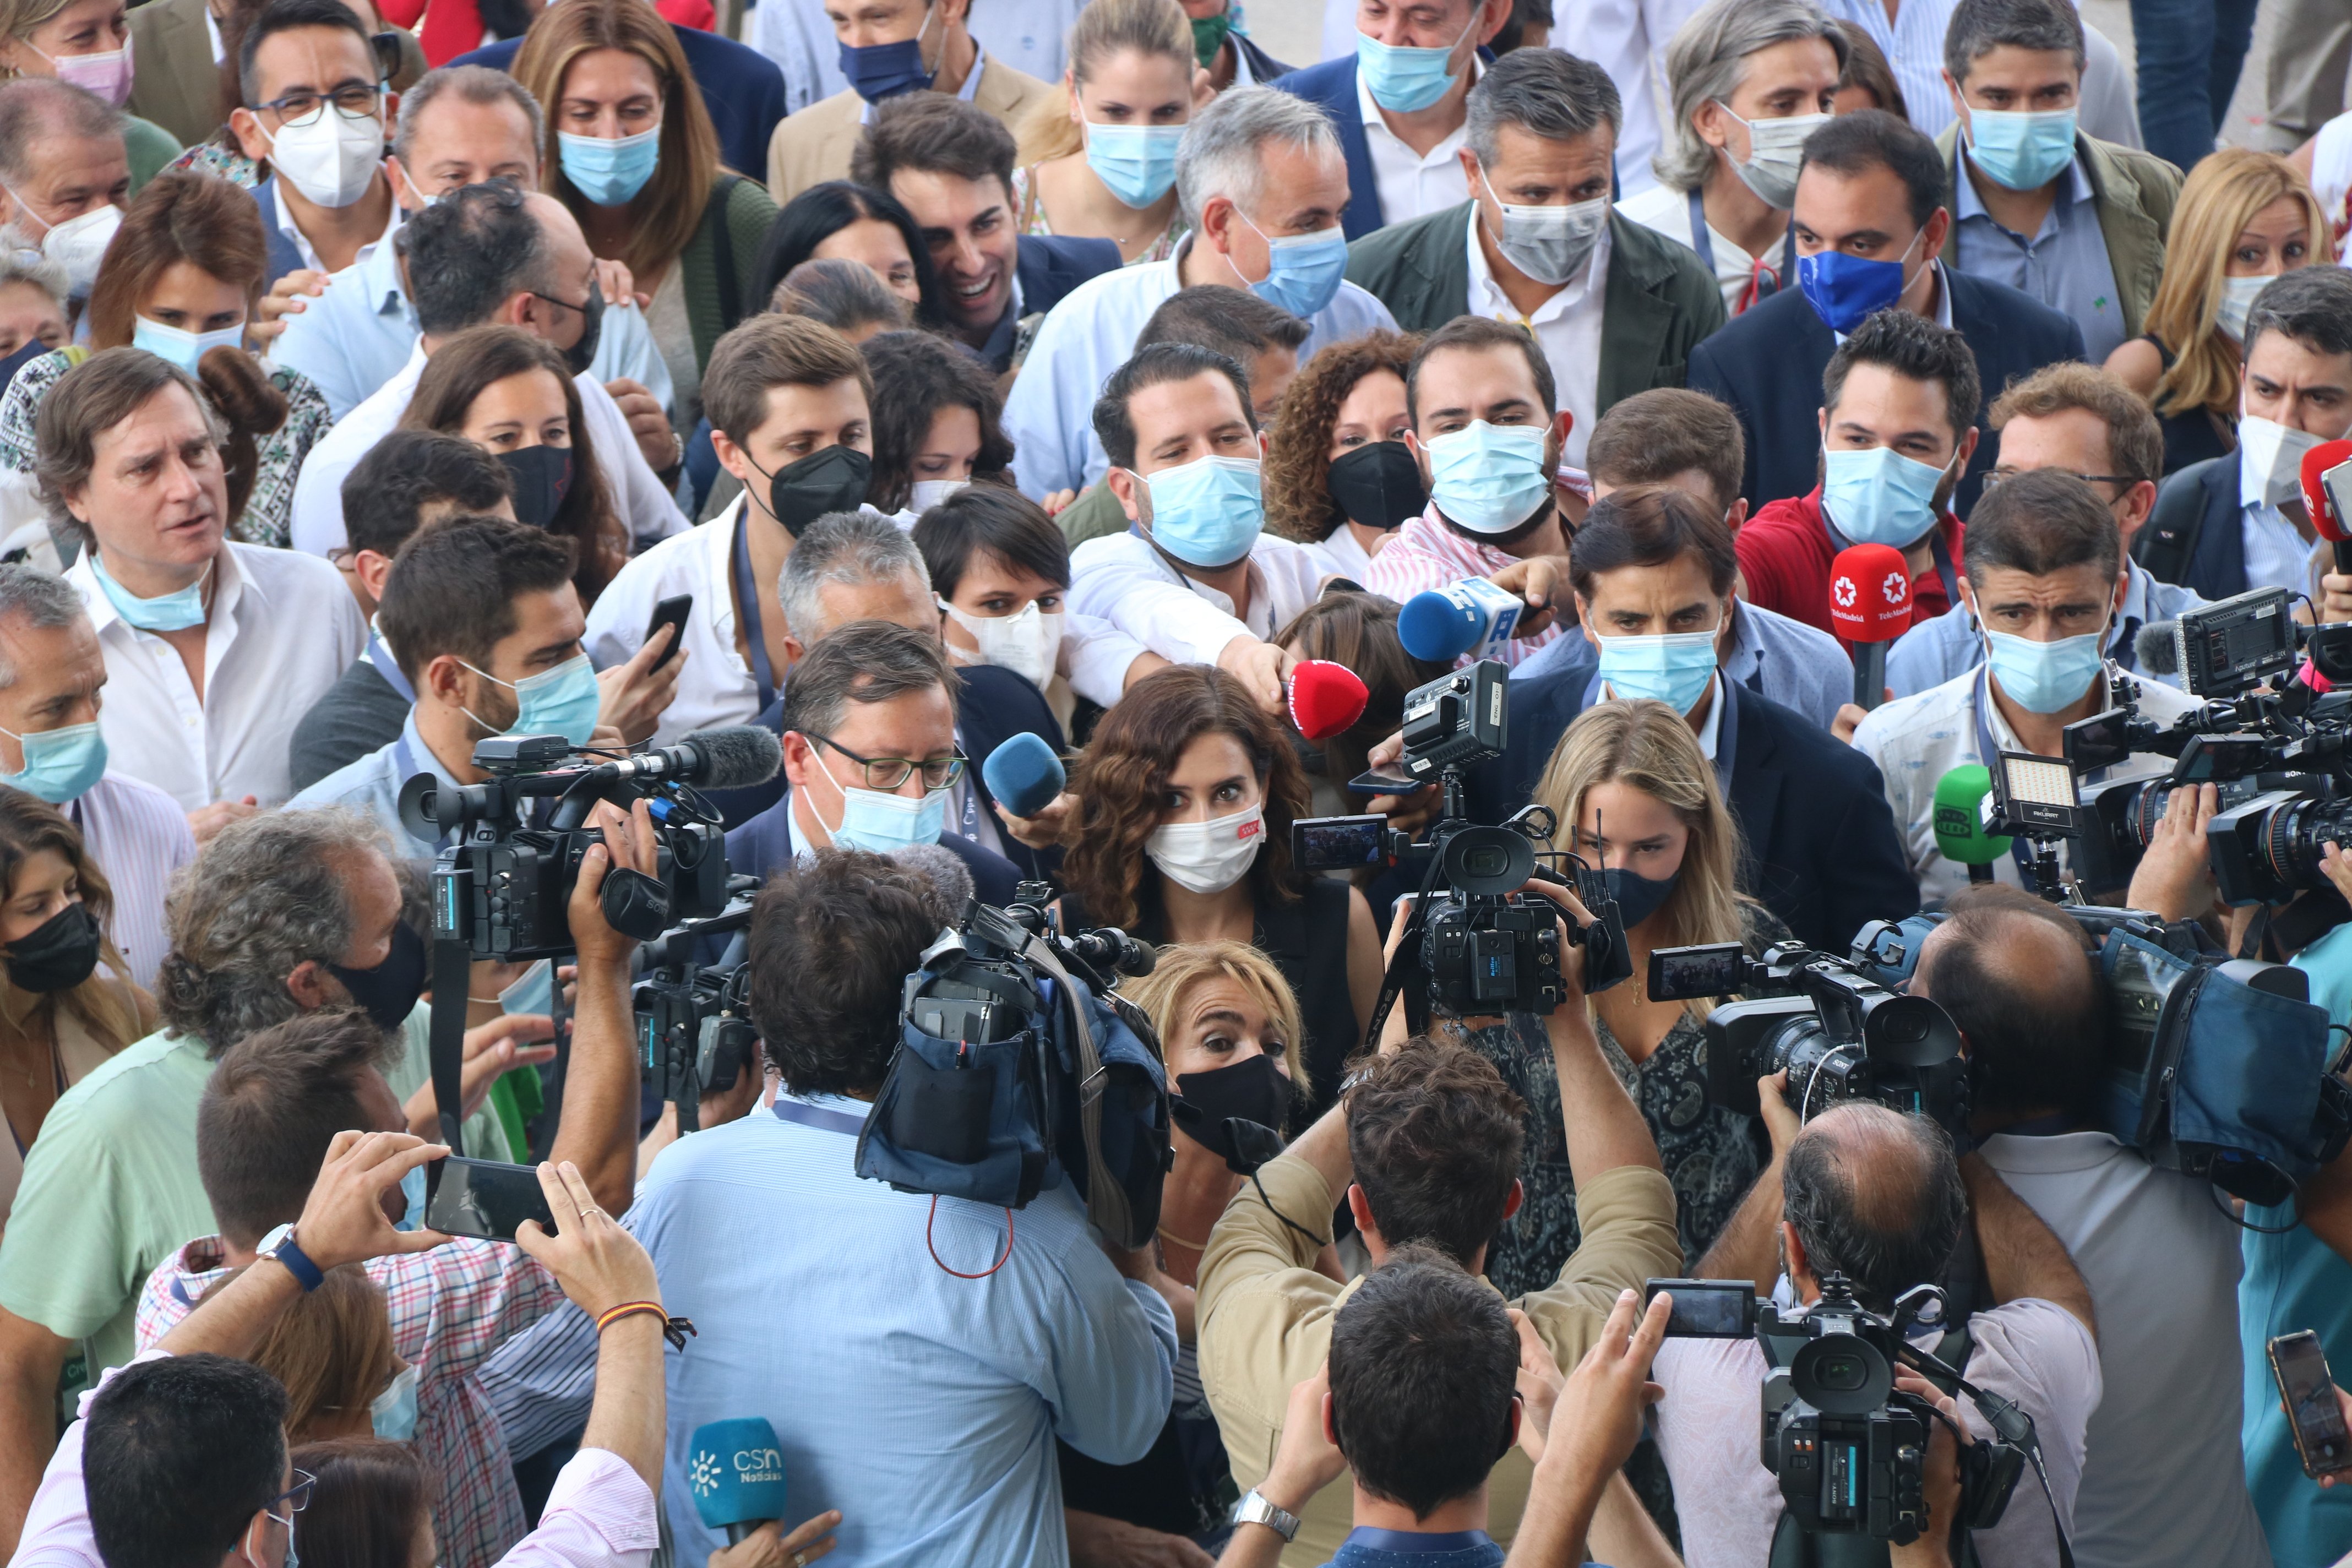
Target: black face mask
[390,990]
[1252,1090]
[59,953]
[1378,485]
[543,478]
[1638,898]
[581,354]
[832,479]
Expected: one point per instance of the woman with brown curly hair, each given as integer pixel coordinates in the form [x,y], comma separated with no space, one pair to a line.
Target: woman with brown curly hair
[1338,478]
[1186,794]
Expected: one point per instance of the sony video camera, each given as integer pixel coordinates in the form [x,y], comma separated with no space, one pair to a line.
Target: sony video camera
[1838,1033]
[693,1010]
[1480,946]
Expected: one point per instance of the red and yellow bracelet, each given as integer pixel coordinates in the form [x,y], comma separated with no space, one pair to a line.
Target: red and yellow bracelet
[674,1329]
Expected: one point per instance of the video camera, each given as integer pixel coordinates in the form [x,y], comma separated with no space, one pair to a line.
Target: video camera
[1480,945]
[694,1034]
[1850,1449]
[1838,1033]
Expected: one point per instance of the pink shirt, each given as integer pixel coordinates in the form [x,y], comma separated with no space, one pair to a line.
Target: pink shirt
[1426,553]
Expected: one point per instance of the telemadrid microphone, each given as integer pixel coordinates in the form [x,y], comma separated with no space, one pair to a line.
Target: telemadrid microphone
[2328,498]
[1960,836]
[1325,698]
[1472,616]
[737,1475]
[1870,606]
[1023,775]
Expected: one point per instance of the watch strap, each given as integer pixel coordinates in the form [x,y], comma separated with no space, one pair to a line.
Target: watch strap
[297,1263]
[1254,1509]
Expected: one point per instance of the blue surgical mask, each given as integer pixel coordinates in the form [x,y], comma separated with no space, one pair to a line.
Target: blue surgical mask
[1673,667]
[1488,478]
[59,765]
[609,170]
[2023,150]
[876,71]
[1136,162]
[1206,512]
[1847,290]
[1878,496]
[394,1412]
[2044,677]
[560,701]
[2238,295]
[412,1188]
[884,822]
[1303,271]
[174,612]
[1404,80]
[181,347]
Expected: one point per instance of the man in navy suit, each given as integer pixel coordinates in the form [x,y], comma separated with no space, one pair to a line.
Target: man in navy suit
[1869,222]
[870,758]
[1399,108]
[742,88]
[1818,843]
[950,164]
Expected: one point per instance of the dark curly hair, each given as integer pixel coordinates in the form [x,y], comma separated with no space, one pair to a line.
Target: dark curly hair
[1359,631]
[1297,468]
[916,374]
[1125,772]
[1435,1135]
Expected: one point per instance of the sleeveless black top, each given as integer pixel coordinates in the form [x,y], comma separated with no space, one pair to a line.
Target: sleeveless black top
[2195,434]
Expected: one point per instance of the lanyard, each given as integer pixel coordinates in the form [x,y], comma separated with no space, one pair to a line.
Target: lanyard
[1989,754]
[389,667]
[823,1118]
[747,601]
[1727,726]
[1763,279]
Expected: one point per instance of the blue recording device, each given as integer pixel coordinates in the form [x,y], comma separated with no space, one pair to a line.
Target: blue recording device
[1472,616]
[736,1470]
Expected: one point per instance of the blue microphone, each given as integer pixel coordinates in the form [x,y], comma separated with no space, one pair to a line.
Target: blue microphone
[1023,775]
[737,1474]
[1472,616]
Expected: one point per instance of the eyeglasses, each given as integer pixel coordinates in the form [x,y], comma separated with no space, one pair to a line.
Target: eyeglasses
[1999,476]
[887,773]
[297,1497]
[352,100]
[581,309]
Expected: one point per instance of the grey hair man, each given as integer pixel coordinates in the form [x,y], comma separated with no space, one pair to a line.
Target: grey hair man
[852,566]
[64,174]
[1749,79]
[1263,180]
[52,672]
[33,290]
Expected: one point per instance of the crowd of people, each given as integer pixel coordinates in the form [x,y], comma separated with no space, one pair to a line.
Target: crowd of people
[383,380]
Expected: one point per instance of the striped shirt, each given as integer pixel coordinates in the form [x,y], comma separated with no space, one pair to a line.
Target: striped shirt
[1426,553]
[450,1309]
[139,837]
[1913,44]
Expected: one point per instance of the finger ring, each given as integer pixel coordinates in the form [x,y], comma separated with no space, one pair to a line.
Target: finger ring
[799,1560]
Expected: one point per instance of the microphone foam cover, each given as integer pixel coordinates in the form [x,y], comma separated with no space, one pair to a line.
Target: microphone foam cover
[737,756]
[947,873]
[2159,648]
[1437,628]
[1325,698]
[1870,593]
[736,1471]
[1959,818]
[2316,499]
[1023,775]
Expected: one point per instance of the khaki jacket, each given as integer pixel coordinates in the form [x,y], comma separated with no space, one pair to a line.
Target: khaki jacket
[1266,1316]
[813,146]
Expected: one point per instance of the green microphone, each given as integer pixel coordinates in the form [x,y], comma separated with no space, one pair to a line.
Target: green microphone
[1960,821]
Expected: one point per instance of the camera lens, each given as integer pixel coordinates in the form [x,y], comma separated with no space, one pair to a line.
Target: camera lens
[2296,835]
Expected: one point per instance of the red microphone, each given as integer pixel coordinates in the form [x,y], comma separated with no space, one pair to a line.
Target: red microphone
[1870,606]
[2320,497]
[1325,698]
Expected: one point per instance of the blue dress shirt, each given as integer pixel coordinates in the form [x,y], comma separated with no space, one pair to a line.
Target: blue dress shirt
[371,787]
[1367,1547]
[2065,264]
[1934,652]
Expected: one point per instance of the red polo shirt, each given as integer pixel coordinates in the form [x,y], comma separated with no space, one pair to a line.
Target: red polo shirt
[1785,552]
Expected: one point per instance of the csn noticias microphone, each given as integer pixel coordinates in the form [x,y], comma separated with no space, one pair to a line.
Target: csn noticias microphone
[2328,498]
[1870,606]
[732,756]
[1325,698]
[1960,836]
[1023,775]
[1472,616]
[737,1474]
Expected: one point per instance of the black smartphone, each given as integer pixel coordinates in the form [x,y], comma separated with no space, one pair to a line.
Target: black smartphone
[1379,781]
[2306,1391]
[1694,973]
[1706,1309]
[671,613]
[487,1199]
[1338,843]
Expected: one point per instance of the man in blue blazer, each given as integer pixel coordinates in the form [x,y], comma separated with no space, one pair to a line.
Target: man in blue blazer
[742,88]
[950,164]
[1399,113]
[1869,222]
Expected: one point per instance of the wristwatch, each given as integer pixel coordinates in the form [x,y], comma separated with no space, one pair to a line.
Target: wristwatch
[280,1244]
[1254,1509]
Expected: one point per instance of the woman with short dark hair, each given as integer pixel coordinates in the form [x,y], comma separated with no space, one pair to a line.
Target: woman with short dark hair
[937,422]
[853,223]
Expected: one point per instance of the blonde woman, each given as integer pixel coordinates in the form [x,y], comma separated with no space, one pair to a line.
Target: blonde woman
[1099,157]
[1635,795]
[2242,218]
[86,43]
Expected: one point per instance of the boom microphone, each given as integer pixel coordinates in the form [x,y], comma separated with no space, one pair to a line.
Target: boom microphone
[947,871]
[2327,495]
[732,756]
[1960,836]
[2155,647]
[1023,775]
[1325,698]
[737,1475]
[1471,617]
[1870,606]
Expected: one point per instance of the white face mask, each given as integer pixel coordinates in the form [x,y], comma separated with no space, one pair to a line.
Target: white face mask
[2238,303]
[1776,149]
[1027,642]
[1208,857]
[2275,452]
[332,160]
[925,494]
[1549,243]
[77,244]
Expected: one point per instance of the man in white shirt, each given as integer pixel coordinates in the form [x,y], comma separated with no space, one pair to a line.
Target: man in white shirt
[1278,153]
[2297,393]
[209,644]
[490,254]
[2163,1478]
[1750,79]
[1196,579]
[315,91]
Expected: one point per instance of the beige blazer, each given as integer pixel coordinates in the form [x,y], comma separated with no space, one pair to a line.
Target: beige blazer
[79,1053]
[813,146]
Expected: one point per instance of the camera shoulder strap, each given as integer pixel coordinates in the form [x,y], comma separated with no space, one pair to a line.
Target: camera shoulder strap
[1107,1202]
[452,975]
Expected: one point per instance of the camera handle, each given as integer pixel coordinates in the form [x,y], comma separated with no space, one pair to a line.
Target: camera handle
[452,976]
[1401,962]
[2009,1424]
